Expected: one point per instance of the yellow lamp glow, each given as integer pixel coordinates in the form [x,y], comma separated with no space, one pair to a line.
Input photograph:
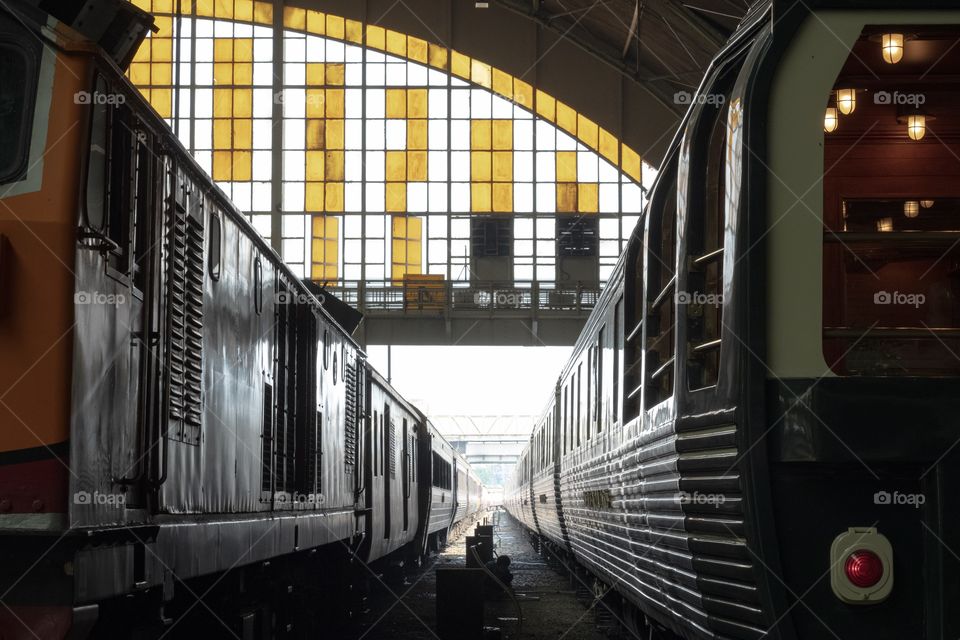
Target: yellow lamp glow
[830,120]
[911,208]
[891,44]
[916,127]
[926,204]
[846,101]
[885,224]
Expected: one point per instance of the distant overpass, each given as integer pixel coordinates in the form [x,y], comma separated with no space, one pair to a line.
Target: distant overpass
[487,439]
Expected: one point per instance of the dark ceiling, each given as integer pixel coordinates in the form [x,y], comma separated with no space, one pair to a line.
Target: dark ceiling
[664,44]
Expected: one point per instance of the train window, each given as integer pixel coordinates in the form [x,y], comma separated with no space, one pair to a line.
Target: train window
[591,372]
[375,450]
[216,232]
[335,368]
[17,82]
[661,296]
[631,311]
[565,418]
[891,256]
[577,383]
[598,376]
[703,298]
[326,348]
[617,351]
[257,285]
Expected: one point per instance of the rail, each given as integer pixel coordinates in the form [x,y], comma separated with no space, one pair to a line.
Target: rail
[444,297]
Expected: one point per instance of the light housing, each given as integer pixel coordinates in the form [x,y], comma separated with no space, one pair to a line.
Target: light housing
[830,120]
[846,101]
[891,46]
[861,566]
[911,208]
[926,204]
[916,126]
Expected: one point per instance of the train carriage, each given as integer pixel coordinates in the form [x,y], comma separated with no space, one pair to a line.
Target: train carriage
[178,407]
[757,426]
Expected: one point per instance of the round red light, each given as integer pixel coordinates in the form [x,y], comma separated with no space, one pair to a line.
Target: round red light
[864,568]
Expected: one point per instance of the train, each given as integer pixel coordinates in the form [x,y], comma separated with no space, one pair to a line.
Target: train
[756,433]
[191,444]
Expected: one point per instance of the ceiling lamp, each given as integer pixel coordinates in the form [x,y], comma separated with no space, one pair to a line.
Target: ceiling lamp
[926,204]
[916,126]
[891,44]
[846,100]
[885,224]
[831,120]
[911,208]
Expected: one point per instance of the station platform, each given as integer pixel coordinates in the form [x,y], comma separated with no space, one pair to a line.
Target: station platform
[553,604]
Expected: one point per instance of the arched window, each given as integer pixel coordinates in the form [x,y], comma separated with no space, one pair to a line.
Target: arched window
[389,147]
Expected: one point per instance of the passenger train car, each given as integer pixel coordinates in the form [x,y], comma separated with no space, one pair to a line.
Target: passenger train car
[756,434]
[181,416]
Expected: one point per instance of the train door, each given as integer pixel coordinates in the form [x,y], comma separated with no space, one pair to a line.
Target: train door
[405,470]
[386,458]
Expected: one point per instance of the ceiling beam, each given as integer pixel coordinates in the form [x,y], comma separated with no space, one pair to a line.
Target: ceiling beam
[633,29]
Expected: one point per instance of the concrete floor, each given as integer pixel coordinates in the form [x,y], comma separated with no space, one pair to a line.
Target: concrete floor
[552,607]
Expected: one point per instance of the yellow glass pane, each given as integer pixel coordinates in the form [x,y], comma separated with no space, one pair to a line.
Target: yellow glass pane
[243,50]
[503,197]
[396,196]
[503,134]
[243,10]
[316,103]
[480,134]
[546,106]
[566,166]
[205,8]
[334,166]
[334,134]
[143,4]
[417,166]
[223,73]
[566,118]
[480,73]
[396,43]
[460,64]
[503,84]
[243,103]
[608,146]
[143,53]
[316,74]
[416,134]
[242,134]
[162,50]
[263,13]
[222,133]
[438,56]
[480,166]
[162,101]
[399,224]
[161,74]
[417,49]
[243,73]
[164,27]
[162,6]
[376,37]
[503,166]
[316,22]
[140,73]
[587,197]
[396,103]
[396,166]
[222,103]
[315,133]
[480,197]
[222,166]
[335,74]
[399,251]
[313,199]
[294,18]
[566,197]
[315,165]
[417,103]
[324,228]
[242,166]
[335,27]
[354,31]
[630,162]
[587,131]
[334,102]
[223,9]
[333,194]
[223,49]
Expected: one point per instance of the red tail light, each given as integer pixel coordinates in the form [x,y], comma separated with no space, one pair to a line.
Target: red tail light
[863,568]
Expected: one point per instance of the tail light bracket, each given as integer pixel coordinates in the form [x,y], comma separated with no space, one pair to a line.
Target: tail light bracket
[860,539]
